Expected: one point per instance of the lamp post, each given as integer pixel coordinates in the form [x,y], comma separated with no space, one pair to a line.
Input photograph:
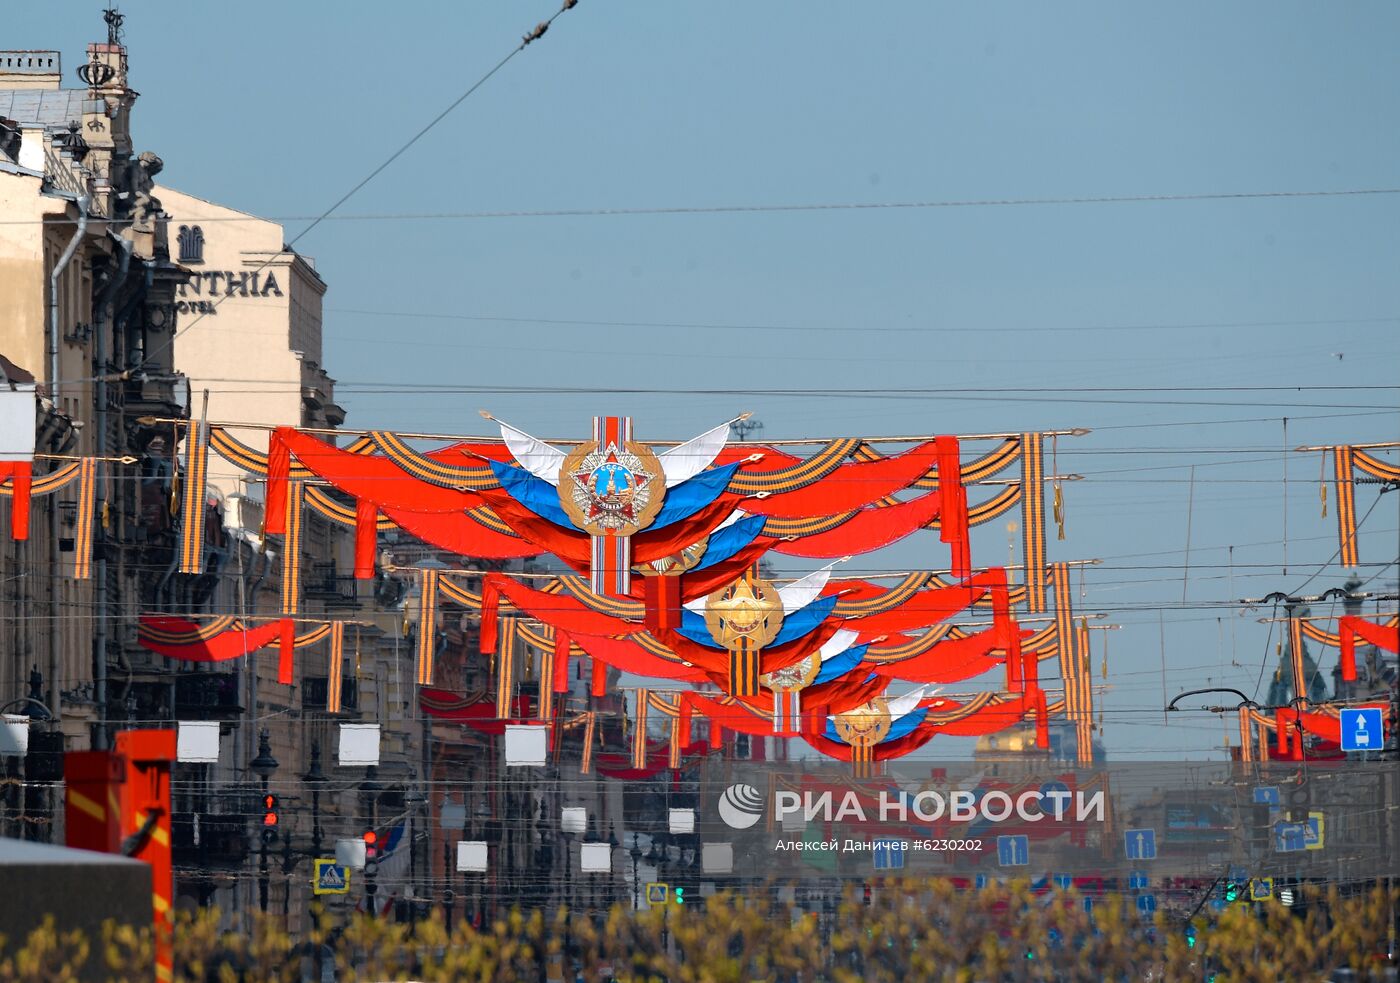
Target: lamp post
[317,779]
[263,766]
[636,854]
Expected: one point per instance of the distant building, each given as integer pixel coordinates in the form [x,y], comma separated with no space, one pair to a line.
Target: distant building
[1016,747]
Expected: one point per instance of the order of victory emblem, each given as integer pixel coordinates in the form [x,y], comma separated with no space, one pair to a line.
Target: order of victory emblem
[612,489]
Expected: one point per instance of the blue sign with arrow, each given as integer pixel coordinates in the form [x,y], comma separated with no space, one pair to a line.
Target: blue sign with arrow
[1266,795]
[1363,729]
[1290,837]
[1140,844]
[1013,851]
[888,854]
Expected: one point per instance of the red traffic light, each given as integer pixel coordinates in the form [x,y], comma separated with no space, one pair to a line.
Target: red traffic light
[371,844]
[269,810]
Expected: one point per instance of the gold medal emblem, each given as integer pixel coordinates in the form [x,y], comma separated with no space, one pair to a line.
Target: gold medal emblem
[866,725]
[746,611]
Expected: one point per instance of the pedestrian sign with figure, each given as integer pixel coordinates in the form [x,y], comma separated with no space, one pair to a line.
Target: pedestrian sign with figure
[331,878]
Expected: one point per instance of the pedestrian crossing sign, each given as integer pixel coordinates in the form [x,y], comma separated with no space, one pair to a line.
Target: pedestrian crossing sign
[331,878]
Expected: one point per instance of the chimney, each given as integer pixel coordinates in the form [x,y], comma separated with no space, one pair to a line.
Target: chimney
[30,70]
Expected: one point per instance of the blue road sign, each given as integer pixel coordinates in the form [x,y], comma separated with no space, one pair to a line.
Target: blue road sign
[1315,831]
[1147,903]
[887,854]
[1261,889]
[1290,837]
[331,878]
[1088,905]
[1363,729]
[1266,795]
[980,881]
[1137,880]
[1064,881]
[1013,851]
[1140,844]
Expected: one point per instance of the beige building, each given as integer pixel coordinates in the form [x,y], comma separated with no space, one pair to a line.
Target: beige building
[250,318]
[86,307]
[116,332]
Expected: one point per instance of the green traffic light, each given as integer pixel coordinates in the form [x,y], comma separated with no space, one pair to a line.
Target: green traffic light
[1232,892]
[680,895]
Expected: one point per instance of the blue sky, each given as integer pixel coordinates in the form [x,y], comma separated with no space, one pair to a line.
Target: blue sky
[280,108]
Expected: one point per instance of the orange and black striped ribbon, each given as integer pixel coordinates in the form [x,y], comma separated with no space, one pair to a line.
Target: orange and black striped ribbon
[1067,639]
[427,626]
[639,731]
[87,510]
[505,667]
[1084,699]
[545,710]
[1343,462]
[291,549]
[590,728]
[1033,519]
[1295,646]
[862,761]
[335,671]
[743,668]
[1246,743]
[673,760]
[192,512]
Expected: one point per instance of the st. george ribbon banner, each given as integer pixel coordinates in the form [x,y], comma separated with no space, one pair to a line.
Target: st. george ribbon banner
[1044,821]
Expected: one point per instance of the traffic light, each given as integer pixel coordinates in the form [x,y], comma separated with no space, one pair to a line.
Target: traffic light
[269,819]
[1232,892]
[371,839]
[1190,936]
[680,894]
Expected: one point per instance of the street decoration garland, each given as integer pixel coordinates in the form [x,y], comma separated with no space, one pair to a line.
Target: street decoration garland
[666,542]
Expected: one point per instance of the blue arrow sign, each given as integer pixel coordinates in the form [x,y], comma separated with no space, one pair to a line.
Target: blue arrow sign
[1290,837]
[1013,851]
[1266,795]
[1363,729]
[1140,844]
[888,854]
[1064,881]
[1147,903]
[1137,881]
[980,881]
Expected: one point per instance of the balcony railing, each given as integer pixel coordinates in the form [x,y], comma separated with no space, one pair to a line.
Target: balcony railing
[208,694]
[315,688]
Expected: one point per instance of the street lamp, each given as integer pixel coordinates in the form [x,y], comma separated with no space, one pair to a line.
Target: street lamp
[263,766]
[636,854]
[317,779]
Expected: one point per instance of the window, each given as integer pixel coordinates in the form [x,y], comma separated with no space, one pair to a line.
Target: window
[191,239]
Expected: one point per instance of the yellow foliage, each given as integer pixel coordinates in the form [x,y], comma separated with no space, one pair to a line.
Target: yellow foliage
[909,931]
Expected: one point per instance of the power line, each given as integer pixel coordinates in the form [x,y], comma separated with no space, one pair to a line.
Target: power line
[316,220]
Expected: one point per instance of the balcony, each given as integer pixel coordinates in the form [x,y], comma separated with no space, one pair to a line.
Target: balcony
[335,589]
[315,688]
[207,696]
[208,839]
